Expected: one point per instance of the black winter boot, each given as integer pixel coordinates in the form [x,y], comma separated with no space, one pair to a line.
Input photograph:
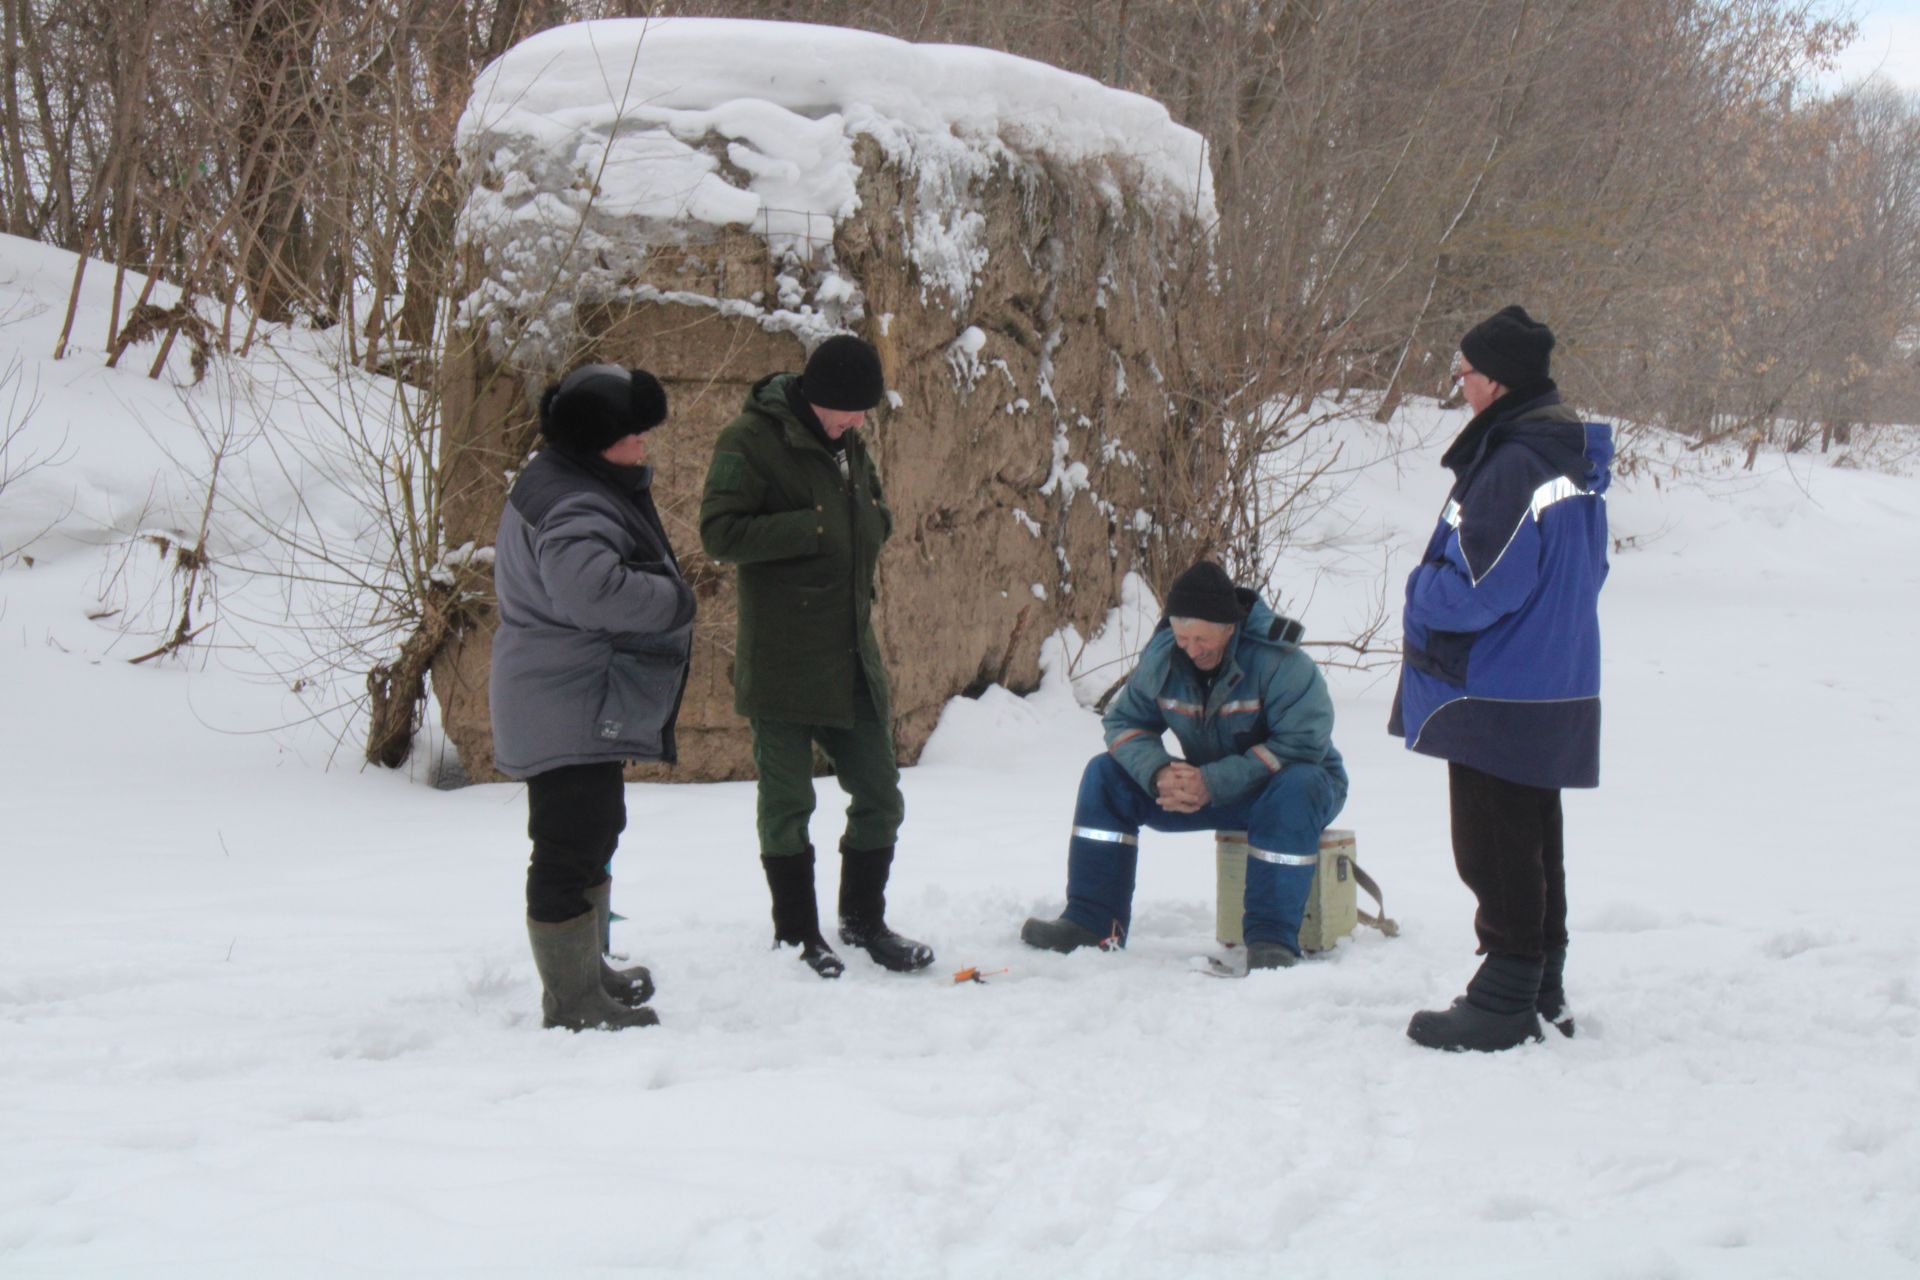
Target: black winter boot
[1552,1002]
[631,987]
[863,910]
[796,913]
[1062,935]
[1497,1012]
[568,957]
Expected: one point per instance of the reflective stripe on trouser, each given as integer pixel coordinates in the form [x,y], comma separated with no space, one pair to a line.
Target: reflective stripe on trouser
[1284,816]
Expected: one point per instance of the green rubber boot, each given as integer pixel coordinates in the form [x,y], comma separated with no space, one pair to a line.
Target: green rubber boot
[568,957]
[631,987]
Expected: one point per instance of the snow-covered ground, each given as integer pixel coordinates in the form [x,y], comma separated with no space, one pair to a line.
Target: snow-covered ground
[259,1016]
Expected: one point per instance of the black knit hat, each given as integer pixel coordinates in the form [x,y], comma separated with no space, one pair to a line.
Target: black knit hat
[843,373]
[598,404]
[1511,347]
[1205,592]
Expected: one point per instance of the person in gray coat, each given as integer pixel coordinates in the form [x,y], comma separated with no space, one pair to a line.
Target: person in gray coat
[589,666]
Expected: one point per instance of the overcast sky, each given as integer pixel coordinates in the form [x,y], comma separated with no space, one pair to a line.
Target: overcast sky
[1889,42]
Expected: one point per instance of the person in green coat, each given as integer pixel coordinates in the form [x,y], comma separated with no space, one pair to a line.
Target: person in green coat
[793,499]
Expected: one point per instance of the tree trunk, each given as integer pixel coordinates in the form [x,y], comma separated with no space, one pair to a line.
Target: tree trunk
[276,122]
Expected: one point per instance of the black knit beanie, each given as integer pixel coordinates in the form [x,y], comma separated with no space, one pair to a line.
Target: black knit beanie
[843,373]
[1511,347]
[1205,592]
[598,404]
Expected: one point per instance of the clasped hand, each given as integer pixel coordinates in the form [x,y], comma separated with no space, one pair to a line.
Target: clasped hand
[1181,788]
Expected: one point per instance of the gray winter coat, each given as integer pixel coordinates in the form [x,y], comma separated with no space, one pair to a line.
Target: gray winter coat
[596,623]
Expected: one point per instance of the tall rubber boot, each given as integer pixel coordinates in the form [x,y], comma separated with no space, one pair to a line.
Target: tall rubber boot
[1552,1002]
[863,910]
[796,914]
[1496,1014]
[631,987]
[568,957]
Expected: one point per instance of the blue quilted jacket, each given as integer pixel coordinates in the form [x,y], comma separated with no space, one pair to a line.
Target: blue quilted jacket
[1268,708]
[1501,666]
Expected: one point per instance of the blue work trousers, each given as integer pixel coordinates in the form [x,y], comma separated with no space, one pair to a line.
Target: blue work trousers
[1283,821]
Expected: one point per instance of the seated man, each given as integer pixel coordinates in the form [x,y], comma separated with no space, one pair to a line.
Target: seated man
[1252,715]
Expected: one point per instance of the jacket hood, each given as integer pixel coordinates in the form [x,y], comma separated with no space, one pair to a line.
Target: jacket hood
[1542,424]
[1599,456]
[1560,439]
[769,396]
[1264,626]
[1471,444]
[777,396]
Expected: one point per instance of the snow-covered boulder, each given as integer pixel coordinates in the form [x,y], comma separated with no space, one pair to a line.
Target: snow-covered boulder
[708,199]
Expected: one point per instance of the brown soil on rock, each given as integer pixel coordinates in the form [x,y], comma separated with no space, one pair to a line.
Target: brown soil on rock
[1078,284]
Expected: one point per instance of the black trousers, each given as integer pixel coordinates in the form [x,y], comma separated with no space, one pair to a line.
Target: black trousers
[575,815]
[1508,847]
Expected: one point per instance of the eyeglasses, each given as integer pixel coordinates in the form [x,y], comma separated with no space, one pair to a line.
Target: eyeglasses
[1458,372]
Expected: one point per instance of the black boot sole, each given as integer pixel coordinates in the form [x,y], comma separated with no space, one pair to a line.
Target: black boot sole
[625,1019]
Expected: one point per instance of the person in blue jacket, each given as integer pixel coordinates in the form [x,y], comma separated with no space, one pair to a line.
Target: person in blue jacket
[1500,674]
[1254,722]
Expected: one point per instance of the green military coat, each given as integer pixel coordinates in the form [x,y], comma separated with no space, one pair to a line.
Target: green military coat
[807,540]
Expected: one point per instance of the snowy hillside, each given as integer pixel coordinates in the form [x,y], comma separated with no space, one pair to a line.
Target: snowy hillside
[262,1016]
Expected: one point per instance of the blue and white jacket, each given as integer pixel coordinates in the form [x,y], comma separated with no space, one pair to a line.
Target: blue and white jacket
[1268,708]
[1501,667]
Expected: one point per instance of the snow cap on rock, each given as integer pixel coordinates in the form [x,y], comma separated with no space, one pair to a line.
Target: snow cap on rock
[588,147]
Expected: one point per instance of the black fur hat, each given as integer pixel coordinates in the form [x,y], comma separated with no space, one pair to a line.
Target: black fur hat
[598,404]
[843,373]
